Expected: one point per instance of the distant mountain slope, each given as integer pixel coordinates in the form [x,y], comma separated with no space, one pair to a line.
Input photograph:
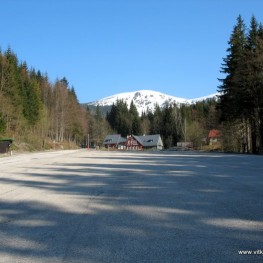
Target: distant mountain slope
[145,100]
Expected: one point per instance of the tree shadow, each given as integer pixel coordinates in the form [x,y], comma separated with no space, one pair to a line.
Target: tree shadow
[126,207]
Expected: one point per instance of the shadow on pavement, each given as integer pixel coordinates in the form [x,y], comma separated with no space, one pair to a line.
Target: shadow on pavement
[143,207]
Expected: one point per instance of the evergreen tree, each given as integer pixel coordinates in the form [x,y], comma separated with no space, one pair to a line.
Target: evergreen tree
[249,78]
[30,94]
[155,120]
[72,93]
[119,118]
[135,120]
[145,123]
[111,117]
[228,104]
[241,90]
[230,92]
[168,127]
[10,78]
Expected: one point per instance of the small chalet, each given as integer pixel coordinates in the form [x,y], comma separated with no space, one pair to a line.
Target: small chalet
[114,141]
[133,142]
[213,136]
[145,142]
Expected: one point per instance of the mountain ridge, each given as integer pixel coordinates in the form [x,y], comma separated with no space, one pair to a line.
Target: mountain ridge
[146,100]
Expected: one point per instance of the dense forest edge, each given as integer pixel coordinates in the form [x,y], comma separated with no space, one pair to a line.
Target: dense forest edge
[41,115]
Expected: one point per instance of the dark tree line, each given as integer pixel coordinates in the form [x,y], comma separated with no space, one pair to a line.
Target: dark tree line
[241,100]
[174,123]
[124,120]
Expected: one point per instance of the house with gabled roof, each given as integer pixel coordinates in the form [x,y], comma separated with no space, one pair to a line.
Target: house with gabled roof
[213,136]
[145,142]
[134,142]
[114,141]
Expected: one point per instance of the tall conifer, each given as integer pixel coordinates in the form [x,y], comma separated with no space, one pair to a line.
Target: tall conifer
[228,89]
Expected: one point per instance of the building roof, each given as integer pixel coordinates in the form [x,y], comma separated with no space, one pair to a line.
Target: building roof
[213,133]
[114,139]
[145,140]
[149,140]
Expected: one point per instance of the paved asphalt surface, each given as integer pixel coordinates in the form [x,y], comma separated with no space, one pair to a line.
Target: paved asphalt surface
[94,206]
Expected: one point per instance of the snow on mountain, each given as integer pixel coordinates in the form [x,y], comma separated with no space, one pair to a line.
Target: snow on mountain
[214,95]
[146,100]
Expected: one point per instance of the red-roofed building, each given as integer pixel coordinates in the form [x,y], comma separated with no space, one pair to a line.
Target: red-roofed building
[213,136]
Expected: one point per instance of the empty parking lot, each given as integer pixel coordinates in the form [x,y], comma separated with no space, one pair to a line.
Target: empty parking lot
[95,206]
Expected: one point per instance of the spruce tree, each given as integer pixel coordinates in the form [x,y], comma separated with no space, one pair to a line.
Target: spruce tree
[228,90]
[30,95]
[135,119]
[249,80]
[119,118]
[168,127]
[229,105]
[156,120]
[10,78]
[111,117]
[241,89]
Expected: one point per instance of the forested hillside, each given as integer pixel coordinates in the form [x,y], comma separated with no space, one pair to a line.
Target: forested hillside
[37,113]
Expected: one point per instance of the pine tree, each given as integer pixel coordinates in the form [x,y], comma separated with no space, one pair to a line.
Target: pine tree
[135,119]
[10,78]
[168,127]
[241,89]
[119,118]
[230,92]
[155,120]
[228,104]
[111,117]
[30,94]
[249,80]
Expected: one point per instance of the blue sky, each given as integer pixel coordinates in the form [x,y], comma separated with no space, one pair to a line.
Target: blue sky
[104,47]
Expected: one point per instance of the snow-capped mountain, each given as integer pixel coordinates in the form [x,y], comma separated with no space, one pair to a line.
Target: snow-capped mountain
[146,100]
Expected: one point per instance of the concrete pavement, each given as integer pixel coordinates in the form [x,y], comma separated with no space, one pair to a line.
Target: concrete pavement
[95,206]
